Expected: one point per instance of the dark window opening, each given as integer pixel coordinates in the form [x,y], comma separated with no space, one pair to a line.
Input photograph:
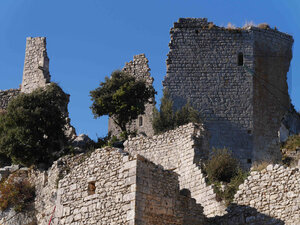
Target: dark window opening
[91,188]
[240,59]
[140,121]
[196,31]
[249,131]
[249,161]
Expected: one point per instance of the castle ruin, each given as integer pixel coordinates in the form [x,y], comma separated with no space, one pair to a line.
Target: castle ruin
[157,179]
[236,78]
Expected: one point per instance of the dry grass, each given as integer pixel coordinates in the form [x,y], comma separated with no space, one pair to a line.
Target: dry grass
[259,166]
[210,25]
[249,24]
[292,143]
[231,26]
[264,26]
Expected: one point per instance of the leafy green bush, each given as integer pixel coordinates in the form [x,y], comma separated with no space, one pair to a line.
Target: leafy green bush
[221,166]
[166,119]
[31,129]
[16,192]
[224,173]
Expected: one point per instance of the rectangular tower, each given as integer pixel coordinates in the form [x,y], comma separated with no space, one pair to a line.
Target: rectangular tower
[36,65]
[221,72]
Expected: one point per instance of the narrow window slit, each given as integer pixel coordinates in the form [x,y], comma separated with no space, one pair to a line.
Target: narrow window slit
[140,121]
[240,59]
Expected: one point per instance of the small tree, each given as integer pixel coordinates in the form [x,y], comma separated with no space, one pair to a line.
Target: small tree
[121,97]
[31,129]
[166,119]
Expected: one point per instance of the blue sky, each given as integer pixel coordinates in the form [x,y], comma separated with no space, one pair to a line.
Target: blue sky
[88,39]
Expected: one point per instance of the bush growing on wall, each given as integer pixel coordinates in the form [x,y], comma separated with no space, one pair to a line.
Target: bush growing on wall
[166,119]
[31,129]
[16,192]
[223,169]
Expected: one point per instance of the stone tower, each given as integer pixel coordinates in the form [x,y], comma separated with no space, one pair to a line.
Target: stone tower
[36,65]
[143,124]
[236,78]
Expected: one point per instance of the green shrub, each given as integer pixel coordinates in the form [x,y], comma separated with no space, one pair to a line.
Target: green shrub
[31,129]
[16,192]
[166,119]
[221,166]
[225,174]
[122,97]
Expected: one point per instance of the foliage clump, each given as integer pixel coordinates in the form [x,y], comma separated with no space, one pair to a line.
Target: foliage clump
[224,172]
[121,97]
[167,119]
[292,143]
[16,192]
[32,128]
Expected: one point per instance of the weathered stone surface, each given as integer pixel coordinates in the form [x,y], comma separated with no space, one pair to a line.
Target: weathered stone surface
[273,192]
[181,150]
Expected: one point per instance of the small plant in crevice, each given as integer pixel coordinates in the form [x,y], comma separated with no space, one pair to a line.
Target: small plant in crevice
[224,174]
[16,192]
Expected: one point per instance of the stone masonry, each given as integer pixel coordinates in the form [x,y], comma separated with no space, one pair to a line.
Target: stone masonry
[143,124]
[236,78]
[274,191]
[181,151]
[113,186]
[126,190]
[36,65]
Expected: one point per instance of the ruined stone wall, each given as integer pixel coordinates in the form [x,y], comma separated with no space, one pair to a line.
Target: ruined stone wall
[181,150]
[6,96]
[143,124]
[36,65]
[158,199]
[274,191]
[212,67]
[272,56]
[99,190]
[127,190]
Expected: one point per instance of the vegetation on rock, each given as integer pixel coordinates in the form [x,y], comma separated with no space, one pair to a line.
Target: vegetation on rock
[121,97]
[224,173]
[166,119]
[16,192]
[31,129]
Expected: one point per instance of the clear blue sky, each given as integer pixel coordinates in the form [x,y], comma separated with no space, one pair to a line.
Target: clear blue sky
[88,39]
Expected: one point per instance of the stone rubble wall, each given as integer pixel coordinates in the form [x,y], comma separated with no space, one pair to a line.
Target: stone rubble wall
[181,150]
[36,65]
[138,68]
[46,184]
[158,198]
[6,96]
[274,191]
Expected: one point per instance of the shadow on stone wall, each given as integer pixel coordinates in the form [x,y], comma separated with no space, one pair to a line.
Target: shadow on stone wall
[241,214]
